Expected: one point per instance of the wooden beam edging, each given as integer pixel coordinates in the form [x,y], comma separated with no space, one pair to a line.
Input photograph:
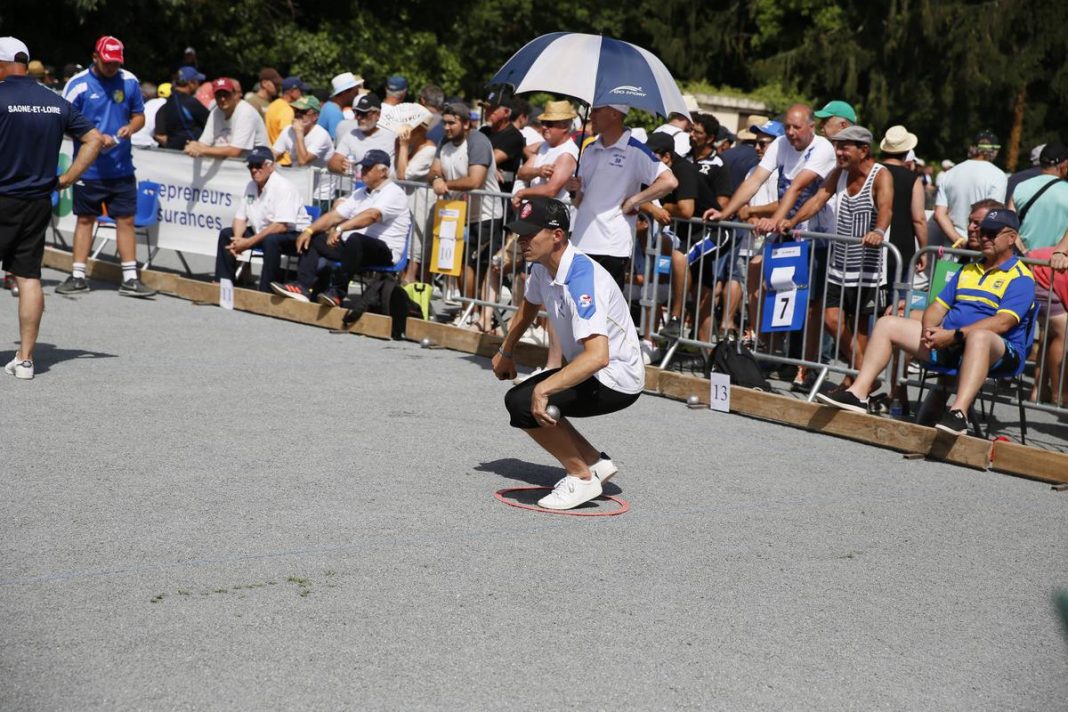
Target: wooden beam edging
[1006,457]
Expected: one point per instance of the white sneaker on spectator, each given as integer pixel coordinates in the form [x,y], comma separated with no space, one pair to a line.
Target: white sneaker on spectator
[570,492]
[650,352]
[604,469]
[452,296]
[20,368]
[535,335]
[524,376]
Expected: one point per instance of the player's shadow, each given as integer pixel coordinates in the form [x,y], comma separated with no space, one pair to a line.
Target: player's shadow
[531,473]
[47,355]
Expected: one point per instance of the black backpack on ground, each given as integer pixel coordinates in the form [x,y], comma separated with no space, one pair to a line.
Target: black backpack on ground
[738,362]
[383,295]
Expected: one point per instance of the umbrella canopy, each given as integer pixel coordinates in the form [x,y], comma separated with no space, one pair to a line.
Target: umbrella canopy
[593,69]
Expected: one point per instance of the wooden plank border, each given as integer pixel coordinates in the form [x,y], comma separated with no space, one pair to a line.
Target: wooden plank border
[1010,458]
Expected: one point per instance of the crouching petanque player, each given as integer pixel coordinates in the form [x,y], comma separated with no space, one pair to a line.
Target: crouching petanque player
[603,371]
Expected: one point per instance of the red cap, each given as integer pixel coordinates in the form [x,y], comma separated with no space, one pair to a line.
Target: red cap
[110,49]
[224,84]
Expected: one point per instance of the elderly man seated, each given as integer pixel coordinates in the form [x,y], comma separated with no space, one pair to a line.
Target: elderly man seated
[976,325]
[268,215]
[369,228]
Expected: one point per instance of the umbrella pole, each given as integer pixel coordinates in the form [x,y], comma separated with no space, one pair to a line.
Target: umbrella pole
[582,138]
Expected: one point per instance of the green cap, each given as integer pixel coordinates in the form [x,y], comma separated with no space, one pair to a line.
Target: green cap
[306,102]
[837,108]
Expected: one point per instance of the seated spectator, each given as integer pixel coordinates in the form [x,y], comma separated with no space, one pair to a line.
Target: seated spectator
[234,127]
[369,228]
[182,119]
[975,326]
[268,215]
[354,142]
[280,114]
[343,90]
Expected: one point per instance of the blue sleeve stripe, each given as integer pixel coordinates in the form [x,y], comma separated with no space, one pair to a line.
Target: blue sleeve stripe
[643,148]
[581,286]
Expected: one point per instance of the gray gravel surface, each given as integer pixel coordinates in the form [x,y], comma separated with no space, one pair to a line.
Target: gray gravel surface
[208,510]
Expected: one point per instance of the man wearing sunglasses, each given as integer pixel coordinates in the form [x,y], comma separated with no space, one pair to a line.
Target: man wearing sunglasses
[976,325]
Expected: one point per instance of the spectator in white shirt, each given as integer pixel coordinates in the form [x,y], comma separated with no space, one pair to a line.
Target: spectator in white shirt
[234,126]
[308,144]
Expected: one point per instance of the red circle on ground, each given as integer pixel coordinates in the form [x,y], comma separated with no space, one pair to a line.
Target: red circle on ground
[624,506]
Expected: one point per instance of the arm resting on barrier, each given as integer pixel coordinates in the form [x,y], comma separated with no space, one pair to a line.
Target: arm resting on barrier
[92,142]
[813,205]
[475,179]
[196,149]
[884,205]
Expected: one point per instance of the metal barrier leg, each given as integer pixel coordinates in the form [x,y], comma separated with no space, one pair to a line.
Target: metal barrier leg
[820,378]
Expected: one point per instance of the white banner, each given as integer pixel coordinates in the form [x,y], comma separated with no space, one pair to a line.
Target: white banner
[198,196]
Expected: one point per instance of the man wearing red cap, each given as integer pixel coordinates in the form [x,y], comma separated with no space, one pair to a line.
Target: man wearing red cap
[110,97]
[234,126]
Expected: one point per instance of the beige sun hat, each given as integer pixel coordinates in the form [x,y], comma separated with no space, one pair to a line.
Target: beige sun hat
[557,111]
[898,140]
[745,133]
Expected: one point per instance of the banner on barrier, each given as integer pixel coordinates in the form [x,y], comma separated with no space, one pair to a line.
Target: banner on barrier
[198,196]
[786,279]
[447,254]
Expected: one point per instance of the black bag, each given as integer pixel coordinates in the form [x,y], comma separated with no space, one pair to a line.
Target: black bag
[738,362]
[383,295]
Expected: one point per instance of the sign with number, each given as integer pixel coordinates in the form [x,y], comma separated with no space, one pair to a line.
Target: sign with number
[786,279]
[226,294]
[719,397]
[447,252]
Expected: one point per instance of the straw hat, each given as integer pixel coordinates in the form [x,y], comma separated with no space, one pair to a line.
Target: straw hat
[557,111]
[898,140]
[746,132]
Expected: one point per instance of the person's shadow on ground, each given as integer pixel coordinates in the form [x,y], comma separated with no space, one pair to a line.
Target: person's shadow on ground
[531,473]
[47,355]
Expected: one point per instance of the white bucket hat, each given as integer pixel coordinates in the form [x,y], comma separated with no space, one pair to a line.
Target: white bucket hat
[898,140]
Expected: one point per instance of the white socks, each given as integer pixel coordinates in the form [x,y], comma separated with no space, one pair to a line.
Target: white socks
[129,271]
[78,270]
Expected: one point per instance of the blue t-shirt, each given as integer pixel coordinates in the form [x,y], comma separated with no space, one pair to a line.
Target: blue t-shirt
[32,123]
[109,104]
[972,294]
[329,117]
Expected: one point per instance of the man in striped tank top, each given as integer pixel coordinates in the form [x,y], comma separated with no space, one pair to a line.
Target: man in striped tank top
[863,195]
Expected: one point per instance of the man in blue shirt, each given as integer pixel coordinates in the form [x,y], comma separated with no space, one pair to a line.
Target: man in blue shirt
[977,325]
[110,97]
[33,120]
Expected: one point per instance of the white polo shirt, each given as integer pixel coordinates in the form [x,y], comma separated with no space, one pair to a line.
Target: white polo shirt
[582,301]
[817,157]
[244,129]
[279,202]
[317,142]
[610,175]
[390,200]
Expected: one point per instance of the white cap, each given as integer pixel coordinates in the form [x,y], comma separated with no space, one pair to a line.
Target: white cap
[621,108]
[910,156]
[10,46]
[343,82]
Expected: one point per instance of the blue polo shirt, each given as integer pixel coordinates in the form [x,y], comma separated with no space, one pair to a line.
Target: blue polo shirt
[973,294]
[109,104]
[32,123]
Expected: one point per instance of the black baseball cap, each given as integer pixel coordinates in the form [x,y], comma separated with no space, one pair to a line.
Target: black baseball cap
[259,155]
[660,142]
[367,102]
[1053,154]
[538,213]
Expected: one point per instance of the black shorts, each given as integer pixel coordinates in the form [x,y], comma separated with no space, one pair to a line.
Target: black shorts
[484,239]
[870,300]
[23,222]
[118,194]
[615,266]
[585,400]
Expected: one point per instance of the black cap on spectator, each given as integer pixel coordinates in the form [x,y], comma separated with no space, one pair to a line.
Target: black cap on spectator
[259,155]
[1053,154]
[660,143]
[367,102]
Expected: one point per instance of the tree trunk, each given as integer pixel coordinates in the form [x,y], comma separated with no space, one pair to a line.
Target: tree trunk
[1012,156]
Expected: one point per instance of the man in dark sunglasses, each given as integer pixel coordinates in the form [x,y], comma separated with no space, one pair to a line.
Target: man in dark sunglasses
[978,325]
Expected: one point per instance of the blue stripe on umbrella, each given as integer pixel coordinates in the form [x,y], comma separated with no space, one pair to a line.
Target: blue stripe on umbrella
[624,77]
[516,68]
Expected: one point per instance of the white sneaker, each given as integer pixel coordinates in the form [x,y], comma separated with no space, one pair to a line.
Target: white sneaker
[570,492]
[535,335]
[650,353]
[524,376]
[20,368]
[604,469]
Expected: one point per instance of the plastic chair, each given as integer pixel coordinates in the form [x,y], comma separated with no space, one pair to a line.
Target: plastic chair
[1016,378]
[145,218]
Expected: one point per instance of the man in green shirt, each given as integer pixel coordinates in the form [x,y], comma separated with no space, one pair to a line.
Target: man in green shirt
[1042,201]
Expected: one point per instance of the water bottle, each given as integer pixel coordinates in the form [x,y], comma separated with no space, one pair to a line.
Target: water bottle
[114,138]
[354,167]
[896,409]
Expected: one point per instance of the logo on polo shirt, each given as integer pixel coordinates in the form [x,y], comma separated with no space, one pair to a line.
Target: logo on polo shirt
[997,284]
[628,90]
[526,211]
[117,96]
[617,160]
[585,300]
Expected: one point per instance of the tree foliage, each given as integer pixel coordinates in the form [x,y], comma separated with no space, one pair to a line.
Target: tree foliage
[944,68]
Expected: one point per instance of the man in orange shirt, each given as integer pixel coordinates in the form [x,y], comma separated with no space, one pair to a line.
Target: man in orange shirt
[280,113]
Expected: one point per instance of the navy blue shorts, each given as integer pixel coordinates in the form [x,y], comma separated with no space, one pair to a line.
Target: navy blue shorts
[118,194]
[951,357]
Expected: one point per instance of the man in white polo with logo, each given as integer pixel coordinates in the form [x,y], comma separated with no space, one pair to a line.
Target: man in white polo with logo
[608,190]
[604,371]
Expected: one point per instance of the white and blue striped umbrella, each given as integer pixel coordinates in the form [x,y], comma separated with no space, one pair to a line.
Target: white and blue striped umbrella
[593,69]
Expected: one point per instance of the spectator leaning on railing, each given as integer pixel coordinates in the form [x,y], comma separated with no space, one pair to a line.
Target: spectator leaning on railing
[353,142]
[268,215]
[305,143]
[182,118]
[234,127]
